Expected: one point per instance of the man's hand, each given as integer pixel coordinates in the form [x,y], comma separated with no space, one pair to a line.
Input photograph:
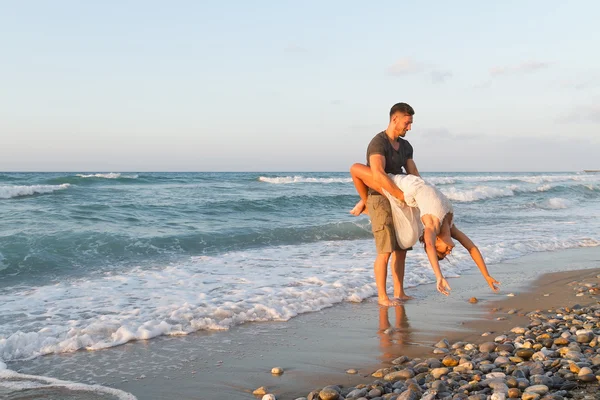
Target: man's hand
[492,283]
[443,287]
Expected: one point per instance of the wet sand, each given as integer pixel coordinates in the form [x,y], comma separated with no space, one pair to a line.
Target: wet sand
[316,349]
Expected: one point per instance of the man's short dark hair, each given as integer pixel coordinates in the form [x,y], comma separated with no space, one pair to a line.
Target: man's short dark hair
[401,108]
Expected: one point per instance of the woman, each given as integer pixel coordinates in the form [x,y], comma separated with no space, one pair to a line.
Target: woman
[436,215]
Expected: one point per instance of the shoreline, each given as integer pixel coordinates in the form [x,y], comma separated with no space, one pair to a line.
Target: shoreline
[316,349]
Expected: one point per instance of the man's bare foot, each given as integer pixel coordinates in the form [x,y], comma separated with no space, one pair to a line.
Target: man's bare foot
[359,208]
[403,297]
[387,302]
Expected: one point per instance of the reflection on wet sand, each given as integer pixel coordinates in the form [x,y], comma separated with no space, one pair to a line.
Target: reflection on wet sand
[393,340]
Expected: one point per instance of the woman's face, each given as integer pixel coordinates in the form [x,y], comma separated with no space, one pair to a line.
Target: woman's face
[442,248]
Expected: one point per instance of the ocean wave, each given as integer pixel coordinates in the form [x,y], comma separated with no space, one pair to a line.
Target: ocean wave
[111,175]
[491,192]
[30,384]
[539,179]
[74,253]
[555,203]
[8,192]
[440,180]
[301,179]
[279,283]
[476,194]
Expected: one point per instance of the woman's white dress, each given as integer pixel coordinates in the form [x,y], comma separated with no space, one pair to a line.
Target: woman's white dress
[420,198]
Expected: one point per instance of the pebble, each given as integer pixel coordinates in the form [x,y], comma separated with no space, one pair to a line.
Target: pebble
[269,397]
[277,370]
[352,371]
[473,300]
[260,391]
[554,356]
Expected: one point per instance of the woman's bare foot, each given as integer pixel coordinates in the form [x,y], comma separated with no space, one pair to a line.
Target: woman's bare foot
[403,297]
[387,302]
[359,208]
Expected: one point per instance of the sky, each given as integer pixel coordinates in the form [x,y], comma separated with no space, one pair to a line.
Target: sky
[113,86]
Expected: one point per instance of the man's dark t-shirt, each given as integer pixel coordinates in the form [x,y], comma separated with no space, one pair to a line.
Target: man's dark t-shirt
[395,161]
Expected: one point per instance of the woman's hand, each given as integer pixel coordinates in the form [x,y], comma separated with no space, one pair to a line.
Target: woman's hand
[443,287]
[492,283]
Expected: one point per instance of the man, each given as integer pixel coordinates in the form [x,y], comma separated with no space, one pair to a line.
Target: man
[389,153]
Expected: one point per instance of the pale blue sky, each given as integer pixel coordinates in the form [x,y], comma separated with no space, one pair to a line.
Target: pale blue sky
[297,85]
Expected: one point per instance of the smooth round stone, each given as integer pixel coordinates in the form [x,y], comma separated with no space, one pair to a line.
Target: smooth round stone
[397,375]
[439,386]
[380,373]
[352,371]
[498,387]
[525,354]
[269,397]
[477,397]
[500,338]
[450,361]
[440,351]
[496,375]
[400,360]
[561,341]
[530,396]
[487,347]
[585,337]
[261,391]
[574,368]
[374,393]
[442,344]
[514,393]
[328,394]
[277,370]
[470,346]
[518,330]
[501,361]
[498,396]
[486,368]
[539,379]
[538,356]
[539,389]
[439,372]
[357,393]
[505,347]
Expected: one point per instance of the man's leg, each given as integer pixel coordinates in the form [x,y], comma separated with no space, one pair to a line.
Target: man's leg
[385,242]
[380,268]
[398,265]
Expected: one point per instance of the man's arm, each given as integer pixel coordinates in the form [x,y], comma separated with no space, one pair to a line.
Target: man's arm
[377,162]
[411,167]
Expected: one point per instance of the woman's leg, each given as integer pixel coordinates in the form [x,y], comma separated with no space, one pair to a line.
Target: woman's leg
[362,176]
[363,179]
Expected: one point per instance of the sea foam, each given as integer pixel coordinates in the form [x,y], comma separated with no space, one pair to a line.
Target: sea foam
[301,179]
[8,192]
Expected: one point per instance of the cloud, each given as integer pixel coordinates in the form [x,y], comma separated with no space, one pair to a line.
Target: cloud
[428,135]
[294,48]
[450,152]
[583,114]
[582,84]
[527,67]
[408,66]
[405,66]
[483,85]
[439,76]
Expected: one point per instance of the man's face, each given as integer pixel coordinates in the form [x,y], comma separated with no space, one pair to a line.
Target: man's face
[402,123]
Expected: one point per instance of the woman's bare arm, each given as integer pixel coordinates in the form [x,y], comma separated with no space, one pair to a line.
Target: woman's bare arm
[468,244]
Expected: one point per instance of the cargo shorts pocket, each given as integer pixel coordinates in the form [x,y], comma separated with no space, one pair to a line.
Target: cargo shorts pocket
[380,213]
